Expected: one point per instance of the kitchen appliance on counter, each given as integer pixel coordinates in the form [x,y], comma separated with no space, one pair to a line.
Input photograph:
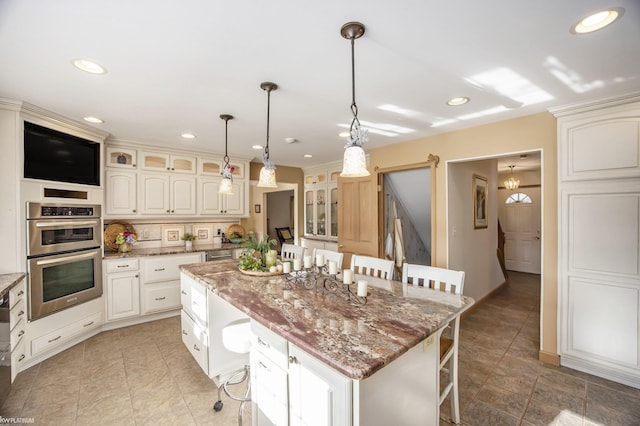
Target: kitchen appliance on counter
[212,255]
[64,256]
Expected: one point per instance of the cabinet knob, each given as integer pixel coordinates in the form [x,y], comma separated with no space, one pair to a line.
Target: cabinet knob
[133,165]
[184,332]
[167,211]
[172,211]
[183,292]
[292,359]
[134,210]
[196,348]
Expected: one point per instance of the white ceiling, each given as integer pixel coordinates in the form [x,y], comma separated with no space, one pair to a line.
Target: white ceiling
[174,67]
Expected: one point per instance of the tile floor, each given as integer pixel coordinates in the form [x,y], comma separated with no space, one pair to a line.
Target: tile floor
[143,375]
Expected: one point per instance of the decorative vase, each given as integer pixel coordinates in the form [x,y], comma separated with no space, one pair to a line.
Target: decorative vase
[270,258]
[124,248]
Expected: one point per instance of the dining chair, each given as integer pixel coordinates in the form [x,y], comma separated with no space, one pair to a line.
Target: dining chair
[449,281]
[290,252]
[373,266]
[284,235]
[329,255]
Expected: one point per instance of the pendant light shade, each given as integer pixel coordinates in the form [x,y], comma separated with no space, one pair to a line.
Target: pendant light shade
[268,171]
[226,185]
[355,162]
[512,183]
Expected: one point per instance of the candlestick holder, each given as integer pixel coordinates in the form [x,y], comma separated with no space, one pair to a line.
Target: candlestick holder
[317,278]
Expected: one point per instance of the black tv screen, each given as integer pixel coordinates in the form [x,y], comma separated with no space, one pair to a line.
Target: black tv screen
[57,156]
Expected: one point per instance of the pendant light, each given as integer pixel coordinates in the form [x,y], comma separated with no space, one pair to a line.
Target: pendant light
[511,183]
[354,163]
[226,186]
[268,171]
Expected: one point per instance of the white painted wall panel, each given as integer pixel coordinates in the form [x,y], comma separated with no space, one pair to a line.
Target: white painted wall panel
[604,146]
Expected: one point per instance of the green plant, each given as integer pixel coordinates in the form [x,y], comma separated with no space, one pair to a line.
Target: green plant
[188,236]
[235,236]
[253,258]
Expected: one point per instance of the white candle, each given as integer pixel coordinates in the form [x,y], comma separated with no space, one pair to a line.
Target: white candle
[347,276]
[362,288]
[320,259]
[273,269]
[333,267]
[279,267]
[297,264]
[286,267]
[307,262]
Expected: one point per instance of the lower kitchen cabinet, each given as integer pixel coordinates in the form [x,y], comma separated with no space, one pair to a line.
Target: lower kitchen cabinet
[290,386]
[122,287]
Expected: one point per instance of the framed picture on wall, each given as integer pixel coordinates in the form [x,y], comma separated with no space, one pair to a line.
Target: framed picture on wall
[480,194]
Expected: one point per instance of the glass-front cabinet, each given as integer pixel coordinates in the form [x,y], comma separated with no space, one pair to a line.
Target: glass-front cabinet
[315,213]
[333,212]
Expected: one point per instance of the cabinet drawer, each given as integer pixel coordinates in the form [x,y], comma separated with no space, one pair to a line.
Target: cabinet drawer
[63,334]
[269,390]
[160,297]
[17,333]
[121,265]
[166,268]
[196,340]
[18,357]
[274,347]
[17,313]
[16,294]
[194,300]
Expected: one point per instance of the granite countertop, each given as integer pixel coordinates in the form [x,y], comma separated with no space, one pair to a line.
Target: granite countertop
[355,339]
[7,281]
[156,251]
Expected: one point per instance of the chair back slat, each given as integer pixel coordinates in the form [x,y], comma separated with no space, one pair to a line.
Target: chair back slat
[329,255]
[372,266]
[290,252]
[436,278]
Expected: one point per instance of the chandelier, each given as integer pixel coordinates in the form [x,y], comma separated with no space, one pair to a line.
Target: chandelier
[511,183]
[268,171]
[226,186]
[354,163]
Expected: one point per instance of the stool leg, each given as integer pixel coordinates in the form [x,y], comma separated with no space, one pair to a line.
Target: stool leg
[246,398]
[218,405]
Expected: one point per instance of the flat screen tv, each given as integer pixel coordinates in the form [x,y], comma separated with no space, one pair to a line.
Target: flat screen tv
[57,156]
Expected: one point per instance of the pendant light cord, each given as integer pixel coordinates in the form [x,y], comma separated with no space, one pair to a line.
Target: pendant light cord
[266,149]
[226,128]
[354,107]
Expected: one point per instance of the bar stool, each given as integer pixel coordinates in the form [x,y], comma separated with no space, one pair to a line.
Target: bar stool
[236,337]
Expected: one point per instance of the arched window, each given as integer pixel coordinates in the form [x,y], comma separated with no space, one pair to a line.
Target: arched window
[518,197]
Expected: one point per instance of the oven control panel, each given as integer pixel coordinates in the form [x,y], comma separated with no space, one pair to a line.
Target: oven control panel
[41,210]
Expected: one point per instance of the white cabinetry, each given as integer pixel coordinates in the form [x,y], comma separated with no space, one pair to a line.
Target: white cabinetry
[312,244]
[163,194]
[124,158]
[123,288]
[17,325]
[290,386]
[598,244]
[122,193]
[321,202]
[177,163]
[161,281]
[212,203]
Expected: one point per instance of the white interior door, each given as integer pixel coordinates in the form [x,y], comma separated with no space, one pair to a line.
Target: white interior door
[521,225]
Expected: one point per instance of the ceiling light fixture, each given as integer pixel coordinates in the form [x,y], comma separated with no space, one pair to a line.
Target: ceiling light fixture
[188,136]
[226,186]
[94,120]
[89,66]
[598,20]
[268,171]
[512,183]
[458,101]
[257,146]
[354,163]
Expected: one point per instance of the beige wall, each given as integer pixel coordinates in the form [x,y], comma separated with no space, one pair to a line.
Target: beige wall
[521,134]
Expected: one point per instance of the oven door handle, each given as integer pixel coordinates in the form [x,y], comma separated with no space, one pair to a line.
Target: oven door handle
[66,223]
[65,258]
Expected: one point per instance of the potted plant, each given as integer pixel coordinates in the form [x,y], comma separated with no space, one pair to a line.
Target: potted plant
[188,238]
[254,258]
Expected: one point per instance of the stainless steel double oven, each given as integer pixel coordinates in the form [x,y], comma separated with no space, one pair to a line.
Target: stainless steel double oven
[64,256]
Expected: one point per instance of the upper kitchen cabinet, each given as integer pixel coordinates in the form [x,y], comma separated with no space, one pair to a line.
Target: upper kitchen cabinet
[163,194]
[321,202]
[121,157]
[121,196]
[212,203]
[167,162]
[213,167]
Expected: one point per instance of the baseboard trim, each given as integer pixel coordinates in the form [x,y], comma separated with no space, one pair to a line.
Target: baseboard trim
[481,301]
[549,358]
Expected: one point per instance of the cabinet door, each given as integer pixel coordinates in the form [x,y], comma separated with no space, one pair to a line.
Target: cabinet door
[209,167]
[183,195]
[332,211]
[195,338]
[234,204]
[309,220]
[318,394]
[154,194]
[122,158]
[160,297]
[154,161]
[321,212]
[121,193]
[209,201]
[123,295]
[182,164]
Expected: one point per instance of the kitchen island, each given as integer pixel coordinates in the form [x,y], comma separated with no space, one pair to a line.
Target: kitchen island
[386,351]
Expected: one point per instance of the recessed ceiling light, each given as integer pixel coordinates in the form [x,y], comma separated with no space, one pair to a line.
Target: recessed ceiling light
[95,120]
[458,101]
[188,135]
[344,134]
[291,140]
[89,66]
[257,147]
[307,156]
[597,20]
